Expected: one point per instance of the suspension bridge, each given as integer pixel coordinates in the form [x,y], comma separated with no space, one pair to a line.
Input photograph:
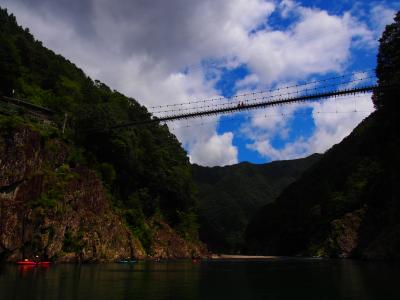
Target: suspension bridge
[343,86]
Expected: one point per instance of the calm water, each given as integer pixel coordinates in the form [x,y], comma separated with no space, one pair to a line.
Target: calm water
[219,280]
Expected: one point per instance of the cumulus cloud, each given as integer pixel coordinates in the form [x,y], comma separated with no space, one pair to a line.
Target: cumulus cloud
[216,151]
[318,43]
[332,127]
[155,50]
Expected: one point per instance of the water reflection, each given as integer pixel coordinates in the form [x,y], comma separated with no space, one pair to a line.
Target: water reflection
[270,279]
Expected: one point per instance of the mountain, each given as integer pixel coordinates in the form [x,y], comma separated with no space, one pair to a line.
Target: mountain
[230,195]
[347,204]
[87,187]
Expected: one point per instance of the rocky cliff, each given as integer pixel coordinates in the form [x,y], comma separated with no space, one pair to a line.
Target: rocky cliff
[63,213]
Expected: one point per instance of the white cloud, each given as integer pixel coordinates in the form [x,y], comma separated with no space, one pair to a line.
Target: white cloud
[216,151]
[266,124]
[318,43]
[332,127]
[248,81]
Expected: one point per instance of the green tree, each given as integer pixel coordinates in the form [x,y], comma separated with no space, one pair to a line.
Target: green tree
[388,68]
[9,66]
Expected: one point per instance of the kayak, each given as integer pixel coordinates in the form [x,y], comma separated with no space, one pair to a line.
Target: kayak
[126,261]
[33,263]
[26,262]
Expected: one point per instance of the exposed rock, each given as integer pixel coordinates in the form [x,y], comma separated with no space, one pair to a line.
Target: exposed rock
[168,244]
[343,239]
[19,157]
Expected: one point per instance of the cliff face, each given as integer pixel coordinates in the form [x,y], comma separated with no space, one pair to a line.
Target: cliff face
[62,213]
[167,243]
[50,210]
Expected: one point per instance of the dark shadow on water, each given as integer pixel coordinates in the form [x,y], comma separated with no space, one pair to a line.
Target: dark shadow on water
[208,280]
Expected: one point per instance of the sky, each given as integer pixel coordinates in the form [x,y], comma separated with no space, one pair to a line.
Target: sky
[165,52]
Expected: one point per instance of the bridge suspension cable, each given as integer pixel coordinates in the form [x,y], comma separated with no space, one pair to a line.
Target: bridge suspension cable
[367,74]
[256,96]
[260,104]
[283,115]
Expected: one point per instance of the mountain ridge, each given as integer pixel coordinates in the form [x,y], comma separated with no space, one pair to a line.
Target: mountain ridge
[229,195]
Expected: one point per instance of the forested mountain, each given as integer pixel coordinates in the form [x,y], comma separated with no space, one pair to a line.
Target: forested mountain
[144,170]
[348,204]
[230,195]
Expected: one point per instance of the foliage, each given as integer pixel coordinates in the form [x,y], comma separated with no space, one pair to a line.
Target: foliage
[57,181]
[76,157]
[47,200]
[72,243]
[189,227]
[388,71]
[107,172]
[137,222]
[8,123]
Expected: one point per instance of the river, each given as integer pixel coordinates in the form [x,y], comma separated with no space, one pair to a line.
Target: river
[283,278]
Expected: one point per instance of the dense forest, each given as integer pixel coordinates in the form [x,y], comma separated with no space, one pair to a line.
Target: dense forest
[144,169]
[229,196]
[348,204]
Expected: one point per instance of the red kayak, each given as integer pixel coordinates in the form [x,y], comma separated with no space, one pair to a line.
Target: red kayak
[27,262]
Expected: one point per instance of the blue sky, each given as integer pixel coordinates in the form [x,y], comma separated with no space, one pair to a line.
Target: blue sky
[165,52]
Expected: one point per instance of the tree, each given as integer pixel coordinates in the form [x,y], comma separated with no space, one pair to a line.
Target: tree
[9,67]
[388,69]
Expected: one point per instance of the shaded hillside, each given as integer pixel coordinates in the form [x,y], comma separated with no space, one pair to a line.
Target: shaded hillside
[145,172]
[348,204]
[229,196]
